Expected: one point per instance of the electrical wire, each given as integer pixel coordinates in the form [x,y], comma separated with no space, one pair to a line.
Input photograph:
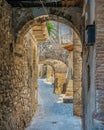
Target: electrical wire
[44,7]
[52,39]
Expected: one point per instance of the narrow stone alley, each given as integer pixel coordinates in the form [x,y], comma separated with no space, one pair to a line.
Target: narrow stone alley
[61,41]
[52,115]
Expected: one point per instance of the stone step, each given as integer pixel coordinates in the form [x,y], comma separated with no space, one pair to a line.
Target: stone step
[68,99]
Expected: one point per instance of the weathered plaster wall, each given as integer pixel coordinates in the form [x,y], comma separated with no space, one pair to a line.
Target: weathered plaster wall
[89,61]
[88,96]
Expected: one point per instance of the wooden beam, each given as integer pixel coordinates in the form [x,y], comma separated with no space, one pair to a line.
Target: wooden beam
[33,3]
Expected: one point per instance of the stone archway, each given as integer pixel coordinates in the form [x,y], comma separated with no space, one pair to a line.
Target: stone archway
[52,53]
[26,18]
[21,31]
[49,71]
[59,72]
[17,61]
[41,19]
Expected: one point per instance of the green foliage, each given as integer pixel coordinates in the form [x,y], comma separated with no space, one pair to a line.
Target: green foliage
[51,29]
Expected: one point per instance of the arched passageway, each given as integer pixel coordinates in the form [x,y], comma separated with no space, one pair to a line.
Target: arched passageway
[23,62]
[58,74]
[18,68]
[77,65]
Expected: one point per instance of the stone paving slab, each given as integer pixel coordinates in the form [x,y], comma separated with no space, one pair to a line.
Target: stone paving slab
[52,115]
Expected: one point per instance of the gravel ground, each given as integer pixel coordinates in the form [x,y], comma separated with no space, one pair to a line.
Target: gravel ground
[50,114]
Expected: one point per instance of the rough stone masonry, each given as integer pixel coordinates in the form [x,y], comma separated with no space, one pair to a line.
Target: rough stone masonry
[17,80]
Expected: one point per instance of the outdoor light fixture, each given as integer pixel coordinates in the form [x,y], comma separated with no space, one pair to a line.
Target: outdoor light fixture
[90,35]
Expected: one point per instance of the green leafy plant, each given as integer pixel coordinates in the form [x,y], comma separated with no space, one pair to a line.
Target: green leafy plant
[51,29]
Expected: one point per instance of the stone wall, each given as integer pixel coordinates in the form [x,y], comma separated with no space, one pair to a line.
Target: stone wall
[77,76]
[52,51]
[43,71]
[60,75]
[25,17]
[26,68]
[50,74]
[69,76]
[7,74]
[61,80]
[18,78]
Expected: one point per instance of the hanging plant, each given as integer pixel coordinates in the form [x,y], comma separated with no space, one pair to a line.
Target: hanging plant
[51,29]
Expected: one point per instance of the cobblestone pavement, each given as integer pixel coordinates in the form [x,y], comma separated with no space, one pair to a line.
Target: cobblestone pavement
[50,114]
